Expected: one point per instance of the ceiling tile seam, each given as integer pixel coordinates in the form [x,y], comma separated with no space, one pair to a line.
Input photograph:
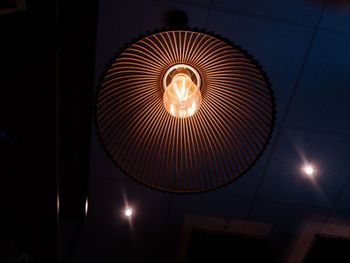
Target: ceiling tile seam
[227,195]
[314,130]
[283,116]
[265,18]
[266,200]
[232,195]
[294,241]
[241,13]
[210,6]
[335,202]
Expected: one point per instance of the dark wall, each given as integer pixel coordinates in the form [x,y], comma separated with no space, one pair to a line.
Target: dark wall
[47,77]
[76,63]
[27,146]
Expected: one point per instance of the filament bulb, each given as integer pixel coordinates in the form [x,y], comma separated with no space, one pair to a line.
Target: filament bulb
[182,95]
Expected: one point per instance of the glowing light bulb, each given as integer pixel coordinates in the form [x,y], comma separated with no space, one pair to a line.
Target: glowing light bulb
[182,96]
[128,212]
[308,169]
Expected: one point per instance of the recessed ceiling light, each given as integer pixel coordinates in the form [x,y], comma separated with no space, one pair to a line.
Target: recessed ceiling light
[309,169]
[128,212]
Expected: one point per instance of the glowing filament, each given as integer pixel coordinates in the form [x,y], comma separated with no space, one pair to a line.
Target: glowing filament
[182,96]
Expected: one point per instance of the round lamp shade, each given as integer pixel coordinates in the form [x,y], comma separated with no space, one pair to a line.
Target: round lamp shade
[184,111]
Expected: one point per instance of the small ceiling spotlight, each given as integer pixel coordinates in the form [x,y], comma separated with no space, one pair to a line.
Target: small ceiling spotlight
[308,169]
[184,111]
[128,212]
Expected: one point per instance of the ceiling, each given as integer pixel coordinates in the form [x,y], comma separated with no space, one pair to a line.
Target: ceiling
[304,46]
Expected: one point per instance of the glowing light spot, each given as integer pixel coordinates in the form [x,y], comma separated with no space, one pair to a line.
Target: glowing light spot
[86,206]
[128,212]
[309,169]
[182,95]
[172,109]
[58,204]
